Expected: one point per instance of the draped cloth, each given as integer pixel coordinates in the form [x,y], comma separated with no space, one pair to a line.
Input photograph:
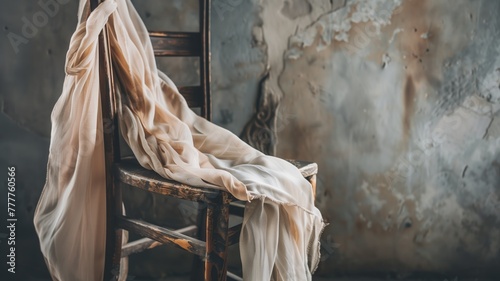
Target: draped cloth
[281,225]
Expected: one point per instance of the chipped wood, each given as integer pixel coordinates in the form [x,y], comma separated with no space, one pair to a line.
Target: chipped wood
[217,238]
[163,235]
[130,172]
[140,245]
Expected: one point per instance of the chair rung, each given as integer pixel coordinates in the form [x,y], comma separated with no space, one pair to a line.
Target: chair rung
[234,276]
[182,44]
[233,234]
[193,95]
[140,245]
[163,235]
[237,208]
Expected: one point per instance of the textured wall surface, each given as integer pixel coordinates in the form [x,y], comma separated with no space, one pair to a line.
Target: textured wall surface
[397,101]
[32,53]
[403,121]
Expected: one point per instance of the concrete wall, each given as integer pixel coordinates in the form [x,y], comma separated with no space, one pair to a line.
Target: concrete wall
[403,100]
[397,101]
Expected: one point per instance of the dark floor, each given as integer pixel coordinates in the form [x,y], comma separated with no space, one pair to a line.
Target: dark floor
[333,279]
[349,279]
[389,277]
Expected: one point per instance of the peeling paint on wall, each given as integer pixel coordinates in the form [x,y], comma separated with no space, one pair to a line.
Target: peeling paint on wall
[391,99]
[337,25]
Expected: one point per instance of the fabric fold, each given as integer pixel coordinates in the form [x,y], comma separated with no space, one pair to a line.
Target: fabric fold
[281,226]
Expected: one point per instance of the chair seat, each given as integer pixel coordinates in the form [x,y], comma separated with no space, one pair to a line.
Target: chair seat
[130,172]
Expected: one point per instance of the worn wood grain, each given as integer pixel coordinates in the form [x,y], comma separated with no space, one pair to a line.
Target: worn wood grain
[217,239]
[198,265]
[163,235]
[178,44]
[142,244]
[130,172]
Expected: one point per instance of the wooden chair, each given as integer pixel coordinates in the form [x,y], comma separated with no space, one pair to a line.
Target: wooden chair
[213,234]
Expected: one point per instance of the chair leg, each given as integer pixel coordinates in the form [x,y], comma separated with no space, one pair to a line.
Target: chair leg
[198,268]
[113,235]
[112,263]
[217,239]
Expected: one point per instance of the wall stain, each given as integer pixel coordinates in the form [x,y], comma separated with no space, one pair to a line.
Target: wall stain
[408,109]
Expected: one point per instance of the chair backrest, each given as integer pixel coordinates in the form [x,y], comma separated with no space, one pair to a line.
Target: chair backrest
[165,44]
[190,44]
[171,44]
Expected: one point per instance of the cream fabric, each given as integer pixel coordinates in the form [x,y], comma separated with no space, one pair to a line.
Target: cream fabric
[281,226]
